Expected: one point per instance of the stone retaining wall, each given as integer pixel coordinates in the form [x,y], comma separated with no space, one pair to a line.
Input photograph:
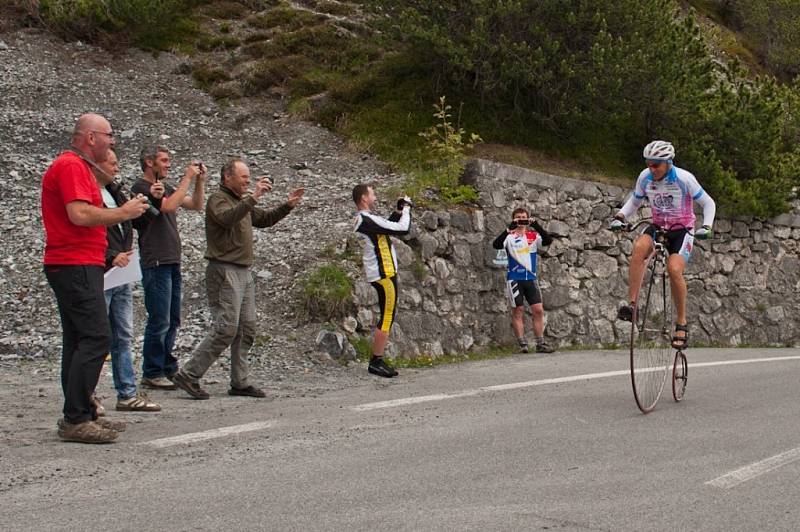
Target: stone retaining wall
[744,286]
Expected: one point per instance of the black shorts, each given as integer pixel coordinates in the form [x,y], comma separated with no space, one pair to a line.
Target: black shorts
[387,301]
[520,291]
[679,241]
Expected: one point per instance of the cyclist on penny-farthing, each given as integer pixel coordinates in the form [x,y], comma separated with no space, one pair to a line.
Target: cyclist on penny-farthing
[671,192]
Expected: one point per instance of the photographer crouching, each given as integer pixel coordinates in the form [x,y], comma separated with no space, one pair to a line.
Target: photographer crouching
[231,214]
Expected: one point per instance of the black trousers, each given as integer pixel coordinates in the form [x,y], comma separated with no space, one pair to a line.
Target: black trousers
[86,335]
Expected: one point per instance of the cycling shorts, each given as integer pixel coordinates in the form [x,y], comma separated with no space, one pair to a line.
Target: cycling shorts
[387,301]
[520,291]
[680,241]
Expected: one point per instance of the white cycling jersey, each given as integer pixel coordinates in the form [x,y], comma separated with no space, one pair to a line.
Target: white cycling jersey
[671,199]
[379,256]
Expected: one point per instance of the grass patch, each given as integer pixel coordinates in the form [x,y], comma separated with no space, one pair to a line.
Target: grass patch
[148,24]
[330,7]
[269,73]
[384,109]
[226,10]
[363,347]
[533,158]
[427,361]
[206,76]
[327,292]
[257,37]
[209,42]
[284,17]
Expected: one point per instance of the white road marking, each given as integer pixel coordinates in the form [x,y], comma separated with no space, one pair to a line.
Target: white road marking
[558,380]
[260,425]
[208,434]
[734,478]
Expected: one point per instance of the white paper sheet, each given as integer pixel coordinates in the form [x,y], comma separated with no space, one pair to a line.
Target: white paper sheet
[119,276]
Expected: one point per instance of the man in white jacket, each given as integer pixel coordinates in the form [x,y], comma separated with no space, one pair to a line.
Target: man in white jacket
[380,264]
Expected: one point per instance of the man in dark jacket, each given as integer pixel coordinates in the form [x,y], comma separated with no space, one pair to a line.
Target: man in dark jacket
[119,300]
[231,214]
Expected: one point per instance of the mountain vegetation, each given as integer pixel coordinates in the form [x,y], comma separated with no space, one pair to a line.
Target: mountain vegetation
[586,83]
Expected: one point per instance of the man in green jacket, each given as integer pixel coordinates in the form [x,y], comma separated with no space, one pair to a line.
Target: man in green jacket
[231,214]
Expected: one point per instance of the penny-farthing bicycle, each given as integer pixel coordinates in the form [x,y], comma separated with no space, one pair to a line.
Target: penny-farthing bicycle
[651,351]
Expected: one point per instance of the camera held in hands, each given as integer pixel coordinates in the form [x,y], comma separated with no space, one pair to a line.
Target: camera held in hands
[151,208]
[402,202]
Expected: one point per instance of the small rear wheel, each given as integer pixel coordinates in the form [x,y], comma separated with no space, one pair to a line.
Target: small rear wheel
[680,374]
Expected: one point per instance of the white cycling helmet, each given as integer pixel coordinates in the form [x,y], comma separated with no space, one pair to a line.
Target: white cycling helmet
[659,150]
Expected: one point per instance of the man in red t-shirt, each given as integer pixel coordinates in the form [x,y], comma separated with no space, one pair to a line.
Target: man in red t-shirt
[74,258]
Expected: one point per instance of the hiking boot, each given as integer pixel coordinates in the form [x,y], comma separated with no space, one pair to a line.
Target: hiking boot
[138,403]
[380,368]
[544,347]
[108,424]
[523,348]
[86,432]
[625,313]
[250,391]
[99,409]
[158,383]
[116,426]
[187,385]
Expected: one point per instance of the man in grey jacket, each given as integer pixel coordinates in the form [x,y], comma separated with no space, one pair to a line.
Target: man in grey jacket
[231,214]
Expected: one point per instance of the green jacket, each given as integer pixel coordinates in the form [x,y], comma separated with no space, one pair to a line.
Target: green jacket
[229,225]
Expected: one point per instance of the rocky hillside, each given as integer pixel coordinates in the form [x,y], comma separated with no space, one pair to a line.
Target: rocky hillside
[46,84]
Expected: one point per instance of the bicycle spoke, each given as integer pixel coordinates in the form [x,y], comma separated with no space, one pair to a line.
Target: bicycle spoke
[650,348]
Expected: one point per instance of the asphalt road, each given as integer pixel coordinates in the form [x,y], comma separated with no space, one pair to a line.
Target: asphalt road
[451,448]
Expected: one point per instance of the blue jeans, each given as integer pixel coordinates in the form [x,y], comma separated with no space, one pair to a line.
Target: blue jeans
[162,299]
[119,304]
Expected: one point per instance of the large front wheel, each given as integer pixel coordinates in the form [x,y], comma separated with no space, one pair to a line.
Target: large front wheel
[650,343]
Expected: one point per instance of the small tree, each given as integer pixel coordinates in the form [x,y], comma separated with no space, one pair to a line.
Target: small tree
[447,145]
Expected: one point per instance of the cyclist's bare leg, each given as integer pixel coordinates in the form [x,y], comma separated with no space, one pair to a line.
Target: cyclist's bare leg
[676,264]
[517,322]
[379,342]
[537,311]
[642,248]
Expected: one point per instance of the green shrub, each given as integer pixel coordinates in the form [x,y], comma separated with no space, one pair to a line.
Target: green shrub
[256,38]
[331,7]
[327,292]
[209,42]
[206,75]
[272,72]
[223,9]
[150,24]
[285,17]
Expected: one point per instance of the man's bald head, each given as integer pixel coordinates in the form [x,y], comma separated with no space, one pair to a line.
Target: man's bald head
[93,136]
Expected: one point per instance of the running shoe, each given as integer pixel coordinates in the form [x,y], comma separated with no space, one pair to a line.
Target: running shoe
[380,368]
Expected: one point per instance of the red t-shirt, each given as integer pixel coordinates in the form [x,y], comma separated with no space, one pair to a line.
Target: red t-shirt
[69,179]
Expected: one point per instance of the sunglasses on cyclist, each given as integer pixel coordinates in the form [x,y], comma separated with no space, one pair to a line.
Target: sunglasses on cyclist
[654,163]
